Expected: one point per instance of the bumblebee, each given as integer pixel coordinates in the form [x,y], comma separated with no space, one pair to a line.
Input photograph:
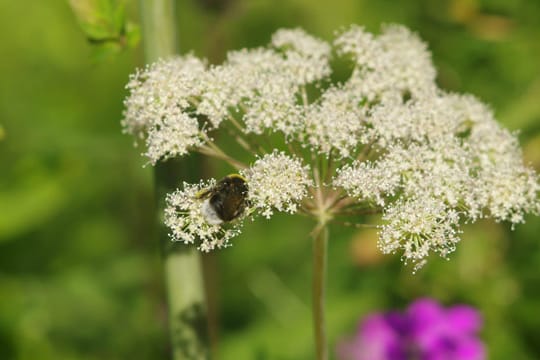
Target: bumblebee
[225,201]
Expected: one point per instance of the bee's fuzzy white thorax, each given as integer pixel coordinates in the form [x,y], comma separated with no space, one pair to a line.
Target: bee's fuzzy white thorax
[210,213]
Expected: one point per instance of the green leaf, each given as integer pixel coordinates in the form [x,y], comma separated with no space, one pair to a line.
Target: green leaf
[118,16]
[97,32]
[133,35]
[104,21]
[104,51]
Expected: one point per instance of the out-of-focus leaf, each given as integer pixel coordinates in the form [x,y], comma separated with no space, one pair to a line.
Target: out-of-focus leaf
[85,10]
[29,205]
[531,152]
[99,18]
[463,11]
[364,250]
[2,133]
[105,26]
[133,34]
[96,33]
[524,112]
[104,51]
[118,15]
[492,27]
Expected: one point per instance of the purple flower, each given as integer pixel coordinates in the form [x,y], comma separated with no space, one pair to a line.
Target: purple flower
[426,331]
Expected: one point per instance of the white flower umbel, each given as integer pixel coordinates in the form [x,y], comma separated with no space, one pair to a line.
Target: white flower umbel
[301,59]
[275,109]
[174,136]
[335,122]
[417,226]
[384,141]
[158,89]
[157,107]
[445,150]
[395,61]
[367,181]
[189,223]
[277,182]
[306,57]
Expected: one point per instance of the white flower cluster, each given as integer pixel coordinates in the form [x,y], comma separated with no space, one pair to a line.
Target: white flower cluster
[389,137]
[277,181]
[185,218]
[305,56]
[396,60]
[184,94]
[449,160]
[335,123]
[417,226]
[158,104]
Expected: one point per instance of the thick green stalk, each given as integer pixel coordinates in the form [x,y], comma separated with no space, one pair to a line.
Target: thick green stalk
[320,244]
[183,268]
[158,29]
[183,271]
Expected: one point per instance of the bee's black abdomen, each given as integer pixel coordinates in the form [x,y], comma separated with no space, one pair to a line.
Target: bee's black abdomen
[229,197]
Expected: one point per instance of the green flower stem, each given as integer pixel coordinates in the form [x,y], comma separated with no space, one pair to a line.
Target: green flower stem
[183,271]
[183,267]
[158,29]
[320,244]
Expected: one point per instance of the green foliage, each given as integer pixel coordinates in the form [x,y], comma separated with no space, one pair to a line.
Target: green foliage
[80,270]
[104,24]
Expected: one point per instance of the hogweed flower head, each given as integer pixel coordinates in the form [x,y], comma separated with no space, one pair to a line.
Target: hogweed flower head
[277,181]
[384,141]
[425,331]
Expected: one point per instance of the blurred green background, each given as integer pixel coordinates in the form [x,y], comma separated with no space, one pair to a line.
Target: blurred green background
[80,272]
